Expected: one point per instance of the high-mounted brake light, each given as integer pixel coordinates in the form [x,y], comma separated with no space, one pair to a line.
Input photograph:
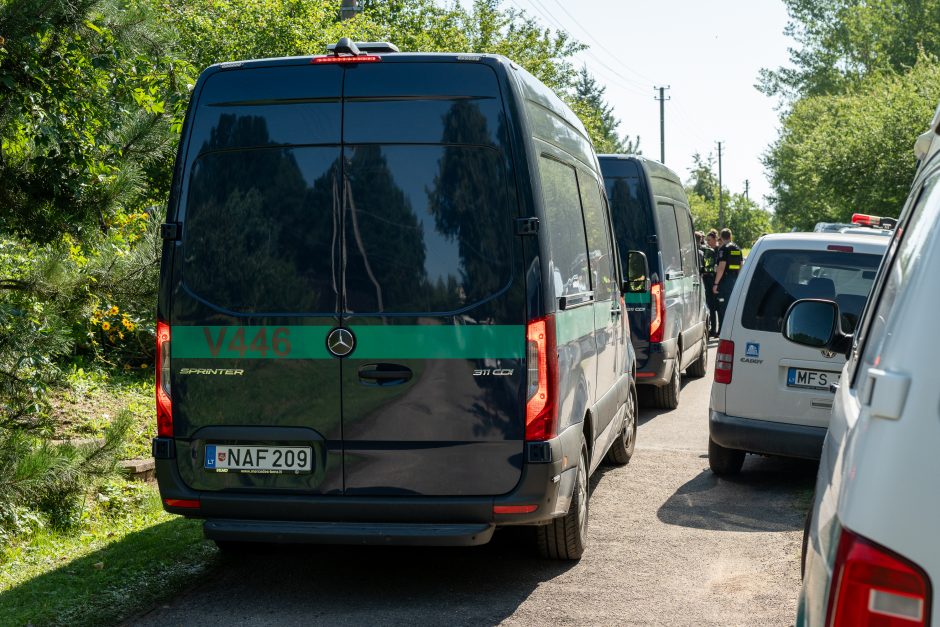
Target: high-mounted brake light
[657,313]
[362,58]
[873,586]
[840,248]
[542,389]
[164,405]
[724,361]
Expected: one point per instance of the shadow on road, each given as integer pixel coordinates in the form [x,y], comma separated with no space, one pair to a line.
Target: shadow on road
[770,494]
[368,585]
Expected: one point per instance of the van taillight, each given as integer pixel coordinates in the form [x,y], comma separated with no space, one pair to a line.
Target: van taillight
[873,586]
[724,361]
[542,381]
[164,406]
[657,313]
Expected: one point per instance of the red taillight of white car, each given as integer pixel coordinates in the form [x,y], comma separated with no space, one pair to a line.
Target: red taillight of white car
[164,405]
[724,361]
[873,586]
[542,356]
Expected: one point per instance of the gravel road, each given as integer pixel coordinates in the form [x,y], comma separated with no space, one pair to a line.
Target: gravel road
[670,544]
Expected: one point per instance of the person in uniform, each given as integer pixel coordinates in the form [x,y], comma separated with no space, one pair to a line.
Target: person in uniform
[728,267]
[709,252]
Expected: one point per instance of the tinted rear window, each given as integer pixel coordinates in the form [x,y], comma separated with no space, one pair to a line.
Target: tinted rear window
[668,238]
[569,263]
[784,276]
[631,216]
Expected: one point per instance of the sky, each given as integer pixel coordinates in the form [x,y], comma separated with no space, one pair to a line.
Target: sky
[708,51]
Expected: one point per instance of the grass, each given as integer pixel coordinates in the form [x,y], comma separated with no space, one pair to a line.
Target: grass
[109,570]
[87,402]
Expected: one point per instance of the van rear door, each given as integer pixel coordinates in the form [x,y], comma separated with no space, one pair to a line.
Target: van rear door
[632,219]
[253,283]
[433,392]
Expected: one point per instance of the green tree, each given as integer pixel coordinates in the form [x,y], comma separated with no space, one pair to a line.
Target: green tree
[743,216]
[840,42]
[852,152]
[598,117]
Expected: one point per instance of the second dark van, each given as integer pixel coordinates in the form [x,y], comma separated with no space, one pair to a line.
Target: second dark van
[668,323]
[391,309]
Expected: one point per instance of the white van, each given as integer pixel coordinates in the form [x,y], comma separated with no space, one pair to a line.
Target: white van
[871,551]
[771,396]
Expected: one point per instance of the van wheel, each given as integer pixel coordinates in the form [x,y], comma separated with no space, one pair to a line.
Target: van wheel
[724,461]
[699,367]
[564,538]
[667,396]
[622,449]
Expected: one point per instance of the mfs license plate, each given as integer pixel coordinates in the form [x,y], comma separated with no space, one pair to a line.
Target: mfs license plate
[258,459]
[811,379]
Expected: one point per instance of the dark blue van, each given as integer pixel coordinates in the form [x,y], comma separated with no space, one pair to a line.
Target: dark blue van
[669,322]
[391,307]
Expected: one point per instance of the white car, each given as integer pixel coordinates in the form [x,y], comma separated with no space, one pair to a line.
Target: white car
[771,396]
[872,553]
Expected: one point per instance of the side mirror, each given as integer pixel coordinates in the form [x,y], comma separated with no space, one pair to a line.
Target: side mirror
[816,324]
[638,272]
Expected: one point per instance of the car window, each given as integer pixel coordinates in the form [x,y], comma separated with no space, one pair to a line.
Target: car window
[631,216]
[569,266]
[900,265]
[686,243]
[427,228]
[668,238]
[603,277]
[782,277]
[259,229]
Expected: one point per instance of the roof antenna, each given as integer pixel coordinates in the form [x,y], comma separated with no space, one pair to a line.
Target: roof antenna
[346,46]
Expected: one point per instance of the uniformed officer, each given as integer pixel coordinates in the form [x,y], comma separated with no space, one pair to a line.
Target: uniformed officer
[709,252]
[729,259]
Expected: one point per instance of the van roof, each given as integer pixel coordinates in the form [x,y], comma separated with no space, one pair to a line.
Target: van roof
[653,167]
[394,57]
[866,243]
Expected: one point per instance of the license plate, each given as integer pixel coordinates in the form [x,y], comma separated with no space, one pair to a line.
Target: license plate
[811,379]
[258,459]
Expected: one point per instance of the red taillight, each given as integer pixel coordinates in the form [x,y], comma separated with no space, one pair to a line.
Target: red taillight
[873,586]
[657,313]
[362,58]
[724,361]
[184,503]
[514,509]
[542,356]
[839,248]
[164,405]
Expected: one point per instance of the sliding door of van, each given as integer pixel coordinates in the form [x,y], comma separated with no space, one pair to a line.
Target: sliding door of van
[434,387]
[255,284]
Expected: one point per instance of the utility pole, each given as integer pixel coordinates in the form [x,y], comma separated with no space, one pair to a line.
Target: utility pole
[721,193]
[747,188]
[348,9]
[662,120]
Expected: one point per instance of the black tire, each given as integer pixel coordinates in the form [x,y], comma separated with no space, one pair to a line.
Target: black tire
[667,396]
[622,449]
[724,461]
[564,538]
[699,368]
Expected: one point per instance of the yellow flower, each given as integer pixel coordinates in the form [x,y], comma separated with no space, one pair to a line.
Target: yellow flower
[144,366]
[121,335]
[127,324]
[114,310]
[106,326]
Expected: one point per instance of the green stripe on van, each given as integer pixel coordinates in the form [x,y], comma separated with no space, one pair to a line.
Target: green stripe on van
[637,298]
[372,342]
[573,324]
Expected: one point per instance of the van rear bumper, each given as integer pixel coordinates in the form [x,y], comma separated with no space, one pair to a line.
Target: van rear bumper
[384,534]
[427,520]
[766,437]
[661,359]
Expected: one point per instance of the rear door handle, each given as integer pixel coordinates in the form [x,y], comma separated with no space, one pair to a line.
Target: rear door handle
[384,374]
[615,310]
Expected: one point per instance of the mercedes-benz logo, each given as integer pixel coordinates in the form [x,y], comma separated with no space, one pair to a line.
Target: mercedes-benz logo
[340,342]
